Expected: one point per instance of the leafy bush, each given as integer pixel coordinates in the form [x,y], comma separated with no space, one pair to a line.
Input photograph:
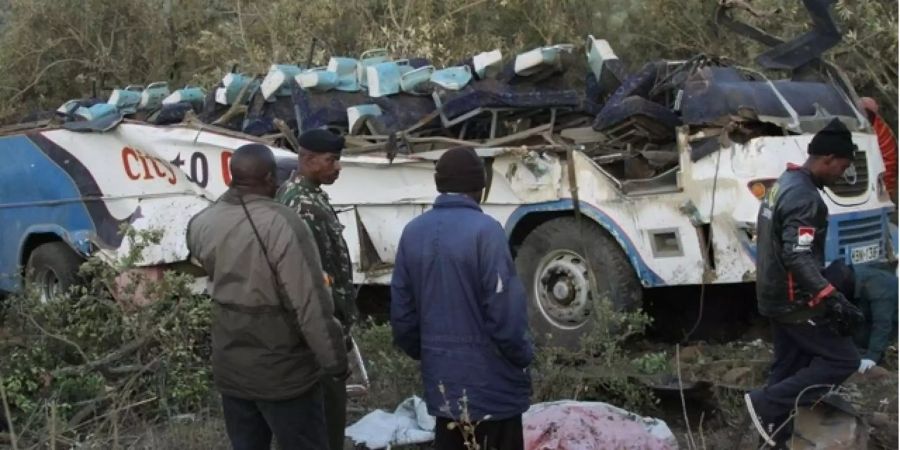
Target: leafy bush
[601,368]
[393,376]
[53,50]
[88,358]
[652,363]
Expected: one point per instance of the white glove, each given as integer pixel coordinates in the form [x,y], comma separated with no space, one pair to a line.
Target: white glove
[865,365]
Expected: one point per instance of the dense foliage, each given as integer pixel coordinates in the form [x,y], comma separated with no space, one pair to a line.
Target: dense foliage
[54,50]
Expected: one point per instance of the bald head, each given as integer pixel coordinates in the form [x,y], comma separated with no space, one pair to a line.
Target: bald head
[253,169]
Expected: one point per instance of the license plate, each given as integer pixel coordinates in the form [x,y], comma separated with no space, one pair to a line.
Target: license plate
[864,254]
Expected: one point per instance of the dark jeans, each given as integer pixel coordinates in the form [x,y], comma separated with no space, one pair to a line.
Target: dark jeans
[805,355]
[503,434]
[335,391]
[298,423]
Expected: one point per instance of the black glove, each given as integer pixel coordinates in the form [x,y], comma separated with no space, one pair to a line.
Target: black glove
[845,316]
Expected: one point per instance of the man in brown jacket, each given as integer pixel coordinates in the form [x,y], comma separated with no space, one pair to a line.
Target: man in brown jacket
[274,334]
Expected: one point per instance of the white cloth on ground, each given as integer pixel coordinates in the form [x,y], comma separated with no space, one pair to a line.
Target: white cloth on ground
[410,423]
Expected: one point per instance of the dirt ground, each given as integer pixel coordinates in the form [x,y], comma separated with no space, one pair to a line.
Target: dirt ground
[715,371]
[716,376]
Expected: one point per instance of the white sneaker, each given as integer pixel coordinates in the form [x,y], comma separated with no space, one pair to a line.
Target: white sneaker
[765,433]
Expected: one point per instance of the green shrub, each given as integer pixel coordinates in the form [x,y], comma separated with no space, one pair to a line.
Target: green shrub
[393,376]
[88,355]
[53,50]
[601,369]
[652,363]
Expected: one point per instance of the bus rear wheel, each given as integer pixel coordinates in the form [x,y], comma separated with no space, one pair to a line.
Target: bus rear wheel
[51,270]
[567,268]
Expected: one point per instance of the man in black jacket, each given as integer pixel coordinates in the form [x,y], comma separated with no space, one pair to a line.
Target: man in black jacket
[812,322]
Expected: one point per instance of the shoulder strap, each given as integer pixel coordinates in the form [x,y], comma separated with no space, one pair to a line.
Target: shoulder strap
[278,284]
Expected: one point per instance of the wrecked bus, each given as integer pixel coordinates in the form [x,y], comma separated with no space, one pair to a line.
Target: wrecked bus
[622,183]
[581,232]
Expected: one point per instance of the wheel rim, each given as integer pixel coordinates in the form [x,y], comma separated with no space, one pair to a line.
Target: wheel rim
[562,288]
[49,285]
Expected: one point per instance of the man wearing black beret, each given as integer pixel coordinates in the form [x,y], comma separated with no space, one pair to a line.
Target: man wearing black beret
[812,321]
[319,163]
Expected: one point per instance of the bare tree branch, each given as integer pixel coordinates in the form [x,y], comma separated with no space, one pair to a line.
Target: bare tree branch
[57,337]
[37,79]
[110,358]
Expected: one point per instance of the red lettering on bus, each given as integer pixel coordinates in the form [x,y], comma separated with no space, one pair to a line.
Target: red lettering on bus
[226,171]
[160,173]
[126,152]
[172,176]
[130,155]
[147,174]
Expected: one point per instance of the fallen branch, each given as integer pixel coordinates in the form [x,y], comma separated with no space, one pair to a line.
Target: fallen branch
[237,108]
[53,426]
[742,362]
[122,352]
[702,434]
[191,120]
[114,411]
[82,414]
[132,368]
[80,418]
[19,127]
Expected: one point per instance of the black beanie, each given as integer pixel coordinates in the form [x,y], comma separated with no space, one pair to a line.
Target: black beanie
[460,171]
[835,139]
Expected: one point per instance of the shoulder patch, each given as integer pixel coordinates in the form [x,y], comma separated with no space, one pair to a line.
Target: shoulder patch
[805,236]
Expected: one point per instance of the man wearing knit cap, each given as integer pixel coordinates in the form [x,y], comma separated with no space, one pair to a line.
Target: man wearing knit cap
[319,163]
[458,307]
[812,322]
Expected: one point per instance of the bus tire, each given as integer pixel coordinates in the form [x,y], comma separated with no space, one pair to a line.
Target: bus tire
[51,269]
[565,271]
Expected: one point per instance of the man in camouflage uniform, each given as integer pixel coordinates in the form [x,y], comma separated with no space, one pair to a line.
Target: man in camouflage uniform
[319,163]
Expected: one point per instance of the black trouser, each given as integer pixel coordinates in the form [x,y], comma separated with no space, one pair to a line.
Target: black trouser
[503,434]
[335,391]
[805,355]
[298,423]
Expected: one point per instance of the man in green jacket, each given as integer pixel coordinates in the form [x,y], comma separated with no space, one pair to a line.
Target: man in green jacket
[876,297]
[274,335]
[319,163]
[872,288]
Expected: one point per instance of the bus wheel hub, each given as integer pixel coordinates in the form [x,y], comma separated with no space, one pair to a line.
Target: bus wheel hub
[562,289]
